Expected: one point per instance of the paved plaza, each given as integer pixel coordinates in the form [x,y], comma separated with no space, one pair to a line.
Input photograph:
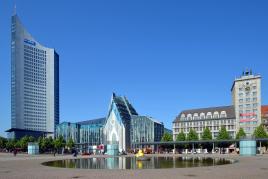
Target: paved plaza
[24,166]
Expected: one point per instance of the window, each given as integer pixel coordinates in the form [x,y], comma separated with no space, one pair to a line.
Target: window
[254,87]
[247,99]
[223,114]
[183,117]
[189,117]
[254,93]
[240,94]
[255,105]
[247,105]
[254,99]
[240,100]
[216,115]
[202,116]
[196,117]
[209,115]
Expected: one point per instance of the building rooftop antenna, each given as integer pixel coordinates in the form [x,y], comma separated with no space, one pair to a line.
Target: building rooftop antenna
[15,9]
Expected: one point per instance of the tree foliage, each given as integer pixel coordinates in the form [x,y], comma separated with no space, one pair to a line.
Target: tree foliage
[3,142]
[46,144]
[166,137]
[59,142]
[223,134]
[11,144]
[23,142]
[241,133]
[260,132]
[70,143]
[192,135]
[207,135]
[181,136]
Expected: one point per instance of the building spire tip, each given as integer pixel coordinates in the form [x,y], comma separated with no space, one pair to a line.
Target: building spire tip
[15,9]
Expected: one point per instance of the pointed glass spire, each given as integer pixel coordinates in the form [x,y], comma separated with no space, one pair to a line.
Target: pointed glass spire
[15,10]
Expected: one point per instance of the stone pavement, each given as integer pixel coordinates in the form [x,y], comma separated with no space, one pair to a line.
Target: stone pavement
[24,166]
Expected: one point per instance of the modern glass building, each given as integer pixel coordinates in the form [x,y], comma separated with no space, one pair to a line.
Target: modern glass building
[34,83]
[86,132]
[145,129]
[68,131]
[117,126]
[122,126]
[91,131]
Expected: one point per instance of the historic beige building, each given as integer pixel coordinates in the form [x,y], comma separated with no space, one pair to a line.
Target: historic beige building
[245,112]
[246,94]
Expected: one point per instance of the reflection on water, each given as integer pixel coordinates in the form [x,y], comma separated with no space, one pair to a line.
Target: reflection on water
[132,163]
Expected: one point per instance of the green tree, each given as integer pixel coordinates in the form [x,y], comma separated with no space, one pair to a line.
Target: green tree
[40,143]
[241,133]
[166,137]
[223,134]
[59,143]
[46,144]
[11,144]
[207,134]
[192,135]
[260,132]
[50,143]
[70,143]
[17,144]
[181,136]
[23,142]
[3,142]
[31,139]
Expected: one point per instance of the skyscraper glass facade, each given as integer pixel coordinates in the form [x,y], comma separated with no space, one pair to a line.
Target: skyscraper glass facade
[34,82]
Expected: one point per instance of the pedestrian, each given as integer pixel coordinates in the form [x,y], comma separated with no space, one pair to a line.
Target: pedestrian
[15,152]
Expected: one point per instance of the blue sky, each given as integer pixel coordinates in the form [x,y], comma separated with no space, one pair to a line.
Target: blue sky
[165,56]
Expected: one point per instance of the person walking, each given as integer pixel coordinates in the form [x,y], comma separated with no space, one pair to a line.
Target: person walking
[55,151]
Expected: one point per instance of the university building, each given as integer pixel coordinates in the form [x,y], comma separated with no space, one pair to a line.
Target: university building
[245,112]
[199,119]
[122,126]
[34,85]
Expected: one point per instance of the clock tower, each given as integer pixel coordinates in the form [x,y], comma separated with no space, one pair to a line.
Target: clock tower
[246,97]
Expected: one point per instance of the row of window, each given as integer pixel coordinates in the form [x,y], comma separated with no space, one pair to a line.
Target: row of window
[32,86]
[254,105]
[201,129]
[209,115]
[248,100]
[207,123]
[254,93]
[253,87]
[34,49]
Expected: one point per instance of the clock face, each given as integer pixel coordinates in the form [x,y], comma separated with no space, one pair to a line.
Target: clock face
[247,88]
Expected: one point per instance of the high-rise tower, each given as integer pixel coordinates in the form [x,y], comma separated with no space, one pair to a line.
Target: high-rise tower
[246,94]
[34,84]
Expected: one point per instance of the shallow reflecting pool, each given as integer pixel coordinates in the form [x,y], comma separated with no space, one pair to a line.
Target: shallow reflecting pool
[132,163]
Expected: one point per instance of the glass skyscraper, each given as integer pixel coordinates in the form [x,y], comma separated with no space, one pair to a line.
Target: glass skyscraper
[34,84]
